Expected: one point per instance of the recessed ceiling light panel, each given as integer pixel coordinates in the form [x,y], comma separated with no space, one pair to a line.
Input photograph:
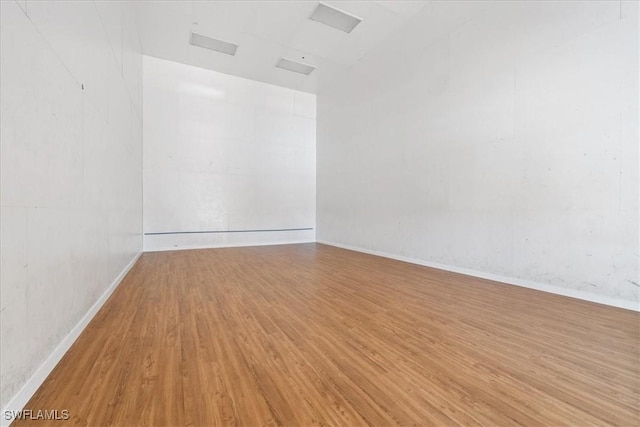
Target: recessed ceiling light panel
[213,44]
[294,66]
[334,18]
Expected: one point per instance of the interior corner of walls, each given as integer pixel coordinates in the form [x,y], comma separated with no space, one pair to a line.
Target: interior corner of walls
[264,182]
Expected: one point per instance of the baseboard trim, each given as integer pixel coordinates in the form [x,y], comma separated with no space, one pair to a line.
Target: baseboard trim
[230,245]
[20,399]
[586,296]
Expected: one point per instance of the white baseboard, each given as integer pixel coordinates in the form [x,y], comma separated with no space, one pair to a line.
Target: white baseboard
[21,398]
[587,296]
[228,245]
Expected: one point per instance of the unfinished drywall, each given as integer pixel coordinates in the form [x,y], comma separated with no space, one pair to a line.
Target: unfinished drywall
[494,137]
[227,161]
[71,147]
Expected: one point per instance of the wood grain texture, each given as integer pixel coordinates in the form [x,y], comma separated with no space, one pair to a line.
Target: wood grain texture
[315,335]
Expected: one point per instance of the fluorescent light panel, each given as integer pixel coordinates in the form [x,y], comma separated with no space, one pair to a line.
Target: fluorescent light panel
[213,44]
[334,18]
[294,66]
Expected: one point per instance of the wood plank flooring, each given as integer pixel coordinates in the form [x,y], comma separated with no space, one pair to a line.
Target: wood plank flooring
[315,335]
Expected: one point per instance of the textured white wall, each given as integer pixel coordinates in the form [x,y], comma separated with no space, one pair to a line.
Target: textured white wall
[225,153]
[497,137]
[71,204]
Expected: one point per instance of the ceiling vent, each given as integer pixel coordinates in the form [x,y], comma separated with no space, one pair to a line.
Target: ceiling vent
[294,66]
[334,18]
[213,44]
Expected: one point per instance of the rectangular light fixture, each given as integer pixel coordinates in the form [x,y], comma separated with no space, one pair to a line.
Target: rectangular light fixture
[334,18]
[213,44]
[294,66]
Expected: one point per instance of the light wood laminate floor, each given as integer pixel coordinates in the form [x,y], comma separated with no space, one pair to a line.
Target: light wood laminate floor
[314,335]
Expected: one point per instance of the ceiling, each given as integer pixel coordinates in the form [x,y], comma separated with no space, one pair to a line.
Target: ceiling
[266,31]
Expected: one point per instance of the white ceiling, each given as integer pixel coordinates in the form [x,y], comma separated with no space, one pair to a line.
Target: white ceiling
[266,31]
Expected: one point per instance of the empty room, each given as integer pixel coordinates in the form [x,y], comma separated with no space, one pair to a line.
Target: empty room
[297,213]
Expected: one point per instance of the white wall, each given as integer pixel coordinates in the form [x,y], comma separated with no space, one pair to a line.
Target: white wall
[498,137]
[71,203]
[224,153]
